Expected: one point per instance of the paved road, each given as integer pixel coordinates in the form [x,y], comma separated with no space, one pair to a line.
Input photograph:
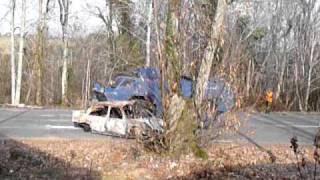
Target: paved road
[30,123]
[268,128]
[279,128]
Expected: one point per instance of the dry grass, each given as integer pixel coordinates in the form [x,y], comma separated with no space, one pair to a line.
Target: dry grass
[5,45]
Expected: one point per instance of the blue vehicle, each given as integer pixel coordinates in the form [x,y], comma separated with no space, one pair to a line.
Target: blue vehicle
[145,86]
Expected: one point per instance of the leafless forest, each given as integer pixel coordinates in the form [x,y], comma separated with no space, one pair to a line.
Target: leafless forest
[254,45]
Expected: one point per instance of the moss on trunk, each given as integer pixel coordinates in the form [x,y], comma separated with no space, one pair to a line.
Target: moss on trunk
[184,139]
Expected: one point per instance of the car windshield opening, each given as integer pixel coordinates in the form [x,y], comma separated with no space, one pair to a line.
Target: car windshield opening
[100,111]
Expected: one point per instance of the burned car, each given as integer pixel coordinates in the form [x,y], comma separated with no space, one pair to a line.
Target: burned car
[117,118]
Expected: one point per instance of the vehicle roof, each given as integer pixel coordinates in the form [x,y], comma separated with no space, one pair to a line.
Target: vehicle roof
[115,103]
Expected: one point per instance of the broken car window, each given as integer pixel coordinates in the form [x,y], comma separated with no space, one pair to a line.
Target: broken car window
[142,113]
[128,110]
[115,113]
[100,111]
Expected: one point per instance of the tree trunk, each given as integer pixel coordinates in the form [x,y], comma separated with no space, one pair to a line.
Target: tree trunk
[13,64]
[64,78]
[179,114]
[21,52]
[306,101]
[280,82]
[172,100]
[112,36]
[149,23]
[64,17]
[296,75]
[209,54]
[88,83]
[248,82]
[109,23]
[65,73]
[43,10]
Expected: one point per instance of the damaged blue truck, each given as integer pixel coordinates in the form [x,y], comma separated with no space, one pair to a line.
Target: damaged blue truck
[144,85]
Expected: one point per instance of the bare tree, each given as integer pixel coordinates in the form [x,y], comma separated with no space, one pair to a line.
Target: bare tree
[21,51]
[309,41]
[13,64]
[108,20]
[64,16]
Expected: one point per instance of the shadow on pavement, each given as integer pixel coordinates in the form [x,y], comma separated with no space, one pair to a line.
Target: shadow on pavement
[20,161]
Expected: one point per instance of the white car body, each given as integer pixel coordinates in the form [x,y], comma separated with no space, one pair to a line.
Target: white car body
[113,118]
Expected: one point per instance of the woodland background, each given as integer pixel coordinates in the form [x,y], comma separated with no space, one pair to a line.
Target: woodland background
[262,45]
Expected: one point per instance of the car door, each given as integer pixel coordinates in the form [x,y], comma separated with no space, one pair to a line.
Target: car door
[116,122]
[97,119]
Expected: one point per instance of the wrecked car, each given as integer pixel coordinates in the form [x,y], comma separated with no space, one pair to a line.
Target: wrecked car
[145,86]
[117,118]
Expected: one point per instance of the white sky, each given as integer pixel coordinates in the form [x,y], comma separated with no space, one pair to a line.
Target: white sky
[79,14]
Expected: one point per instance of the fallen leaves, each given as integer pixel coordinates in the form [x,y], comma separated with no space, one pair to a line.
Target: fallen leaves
[103,159]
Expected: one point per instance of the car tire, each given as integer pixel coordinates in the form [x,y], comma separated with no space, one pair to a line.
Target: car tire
[75,124]
[86,128]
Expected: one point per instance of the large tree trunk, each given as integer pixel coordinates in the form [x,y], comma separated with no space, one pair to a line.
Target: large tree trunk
[210,51]
[173,102]
[13,64]
[21,52]
[149,23]
[179,114]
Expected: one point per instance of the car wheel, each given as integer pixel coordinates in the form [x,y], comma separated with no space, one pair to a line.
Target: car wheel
[75,124]
[86,128]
